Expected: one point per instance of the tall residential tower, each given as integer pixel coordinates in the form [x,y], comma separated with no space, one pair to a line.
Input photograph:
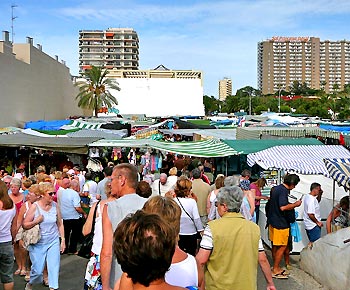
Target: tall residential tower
[112,48]
[321,64]
[225,88]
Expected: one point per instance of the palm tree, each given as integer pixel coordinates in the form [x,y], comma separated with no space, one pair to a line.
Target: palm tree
[94,92]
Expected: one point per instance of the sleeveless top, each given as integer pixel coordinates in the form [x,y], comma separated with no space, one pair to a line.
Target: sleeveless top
[97,240]
[245,210]
[117,210]
[6,217]
[48,227]
[183,273]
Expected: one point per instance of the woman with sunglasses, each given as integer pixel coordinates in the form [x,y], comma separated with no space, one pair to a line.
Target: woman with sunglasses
[46,213]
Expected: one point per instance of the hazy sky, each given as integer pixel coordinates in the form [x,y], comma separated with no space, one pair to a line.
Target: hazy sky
[218,38]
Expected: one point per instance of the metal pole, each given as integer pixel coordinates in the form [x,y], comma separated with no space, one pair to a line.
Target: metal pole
[250,103]
[279,101]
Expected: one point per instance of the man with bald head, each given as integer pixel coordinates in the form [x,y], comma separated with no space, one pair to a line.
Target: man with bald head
[161,186]
[68,201]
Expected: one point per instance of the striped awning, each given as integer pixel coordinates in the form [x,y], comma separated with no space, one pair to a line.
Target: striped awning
[339,170]
[206,148]
[304,159]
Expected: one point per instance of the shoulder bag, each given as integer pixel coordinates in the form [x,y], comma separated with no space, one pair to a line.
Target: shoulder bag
[85,249]
[32,235]
[198,235]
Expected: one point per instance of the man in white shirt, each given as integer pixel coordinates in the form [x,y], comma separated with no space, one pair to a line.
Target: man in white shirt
[90,190]
[312,215]
[161,186]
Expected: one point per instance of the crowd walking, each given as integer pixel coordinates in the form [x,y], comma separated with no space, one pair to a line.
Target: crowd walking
[176,229]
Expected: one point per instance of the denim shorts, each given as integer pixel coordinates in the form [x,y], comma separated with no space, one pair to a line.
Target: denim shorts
[314,234]
[6,262]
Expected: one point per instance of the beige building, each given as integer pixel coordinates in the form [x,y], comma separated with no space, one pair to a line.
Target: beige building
[225,89]
[321,64]
[112,48]
[34,86]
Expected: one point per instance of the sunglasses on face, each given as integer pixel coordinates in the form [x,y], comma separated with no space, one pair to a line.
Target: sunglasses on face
[51,193]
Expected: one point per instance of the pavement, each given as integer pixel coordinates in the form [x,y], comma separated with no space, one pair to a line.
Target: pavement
[72,273]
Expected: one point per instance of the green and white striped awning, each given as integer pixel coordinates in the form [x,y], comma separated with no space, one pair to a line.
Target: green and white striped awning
[205,148]
[83,125]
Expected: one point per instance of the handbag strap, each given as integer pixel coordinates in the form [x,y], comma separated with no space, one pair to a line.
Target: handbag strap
[94,218]
[187,213]
[159,187]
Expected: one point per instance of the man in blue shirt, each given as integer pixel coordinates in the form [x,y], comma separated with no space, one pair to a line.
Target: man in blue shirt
[69,204]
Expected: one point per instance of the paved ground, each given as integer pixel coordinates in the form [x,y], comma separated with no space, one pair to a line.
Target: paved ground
[73,269]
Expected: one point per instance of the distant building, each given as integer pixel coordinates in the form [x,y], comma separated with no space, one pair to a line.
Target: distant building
[159,92]
[34,86]
[113,48]
[225,89]
[321,64]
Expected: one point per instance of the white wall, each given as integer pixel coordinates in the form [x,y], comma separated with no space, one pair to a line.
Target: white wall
[160,97]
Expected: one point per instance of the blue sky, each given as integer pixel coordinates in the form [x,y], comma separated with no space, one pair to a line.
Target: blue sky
[217,37]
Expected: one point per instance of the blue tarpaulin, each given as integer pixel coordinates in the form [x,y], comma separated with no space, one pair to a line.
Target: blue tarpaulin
[46,125]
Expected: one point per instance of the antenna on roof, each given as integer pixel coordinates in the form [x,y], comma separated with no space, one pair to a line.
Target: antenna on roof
[13,6]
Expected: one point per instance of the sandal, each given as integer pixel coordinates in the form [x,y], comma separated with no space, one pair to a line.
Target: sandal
[23,273]
[46,282]
[17,272]
[281,275]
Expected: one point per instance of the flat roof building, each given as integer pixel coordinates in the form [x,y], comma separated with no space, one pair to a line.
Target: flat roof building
[320,64]
[159,92]
[34,86]
[111,48]
[225,89]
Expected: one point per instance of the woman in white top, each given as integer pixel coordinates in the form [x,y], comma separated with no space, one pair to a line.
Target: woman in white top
[47,251]
[92,274]
[8,227]
[172,178]
[190,222]
[219,182]
[184,270]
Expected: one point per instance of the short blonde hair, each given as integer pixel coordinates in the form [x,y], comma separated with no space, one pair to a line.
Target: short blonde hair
[167,208]
[45,186]
[173,171]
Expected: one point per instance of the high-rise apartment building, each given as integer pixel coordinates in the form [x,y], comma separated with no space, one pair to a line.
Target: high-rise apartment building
[112,48]
[225,88]
[321,64]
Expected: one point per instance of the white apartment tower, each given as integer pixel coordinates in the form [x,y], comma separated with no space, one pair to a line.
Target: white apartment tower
[282,60]
[112,48]
[225,88]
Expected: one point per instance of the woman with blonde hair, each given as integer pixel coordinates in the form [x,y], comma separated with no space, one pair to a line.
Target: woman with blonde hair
[46,213]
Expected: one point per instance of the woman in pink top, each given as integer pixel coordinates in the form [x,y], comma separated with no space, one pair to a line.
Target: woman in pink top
[256,188]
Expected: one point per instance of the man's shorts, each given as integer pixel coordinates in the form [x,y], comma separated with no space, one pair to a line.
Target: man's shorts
[278,237]
[314,234]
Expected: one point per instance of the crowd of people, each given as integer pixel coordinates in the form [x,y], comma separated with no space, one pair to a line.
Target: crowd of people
[173,230]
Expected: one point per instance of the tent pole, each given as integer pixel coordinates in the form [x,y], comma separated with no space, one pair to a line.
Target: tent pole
[333,202]
[226,165]
[29,173]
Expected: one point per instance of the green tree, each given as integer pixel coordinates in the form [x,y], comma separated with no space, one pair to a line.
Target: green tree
[94,91]
[211,104]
